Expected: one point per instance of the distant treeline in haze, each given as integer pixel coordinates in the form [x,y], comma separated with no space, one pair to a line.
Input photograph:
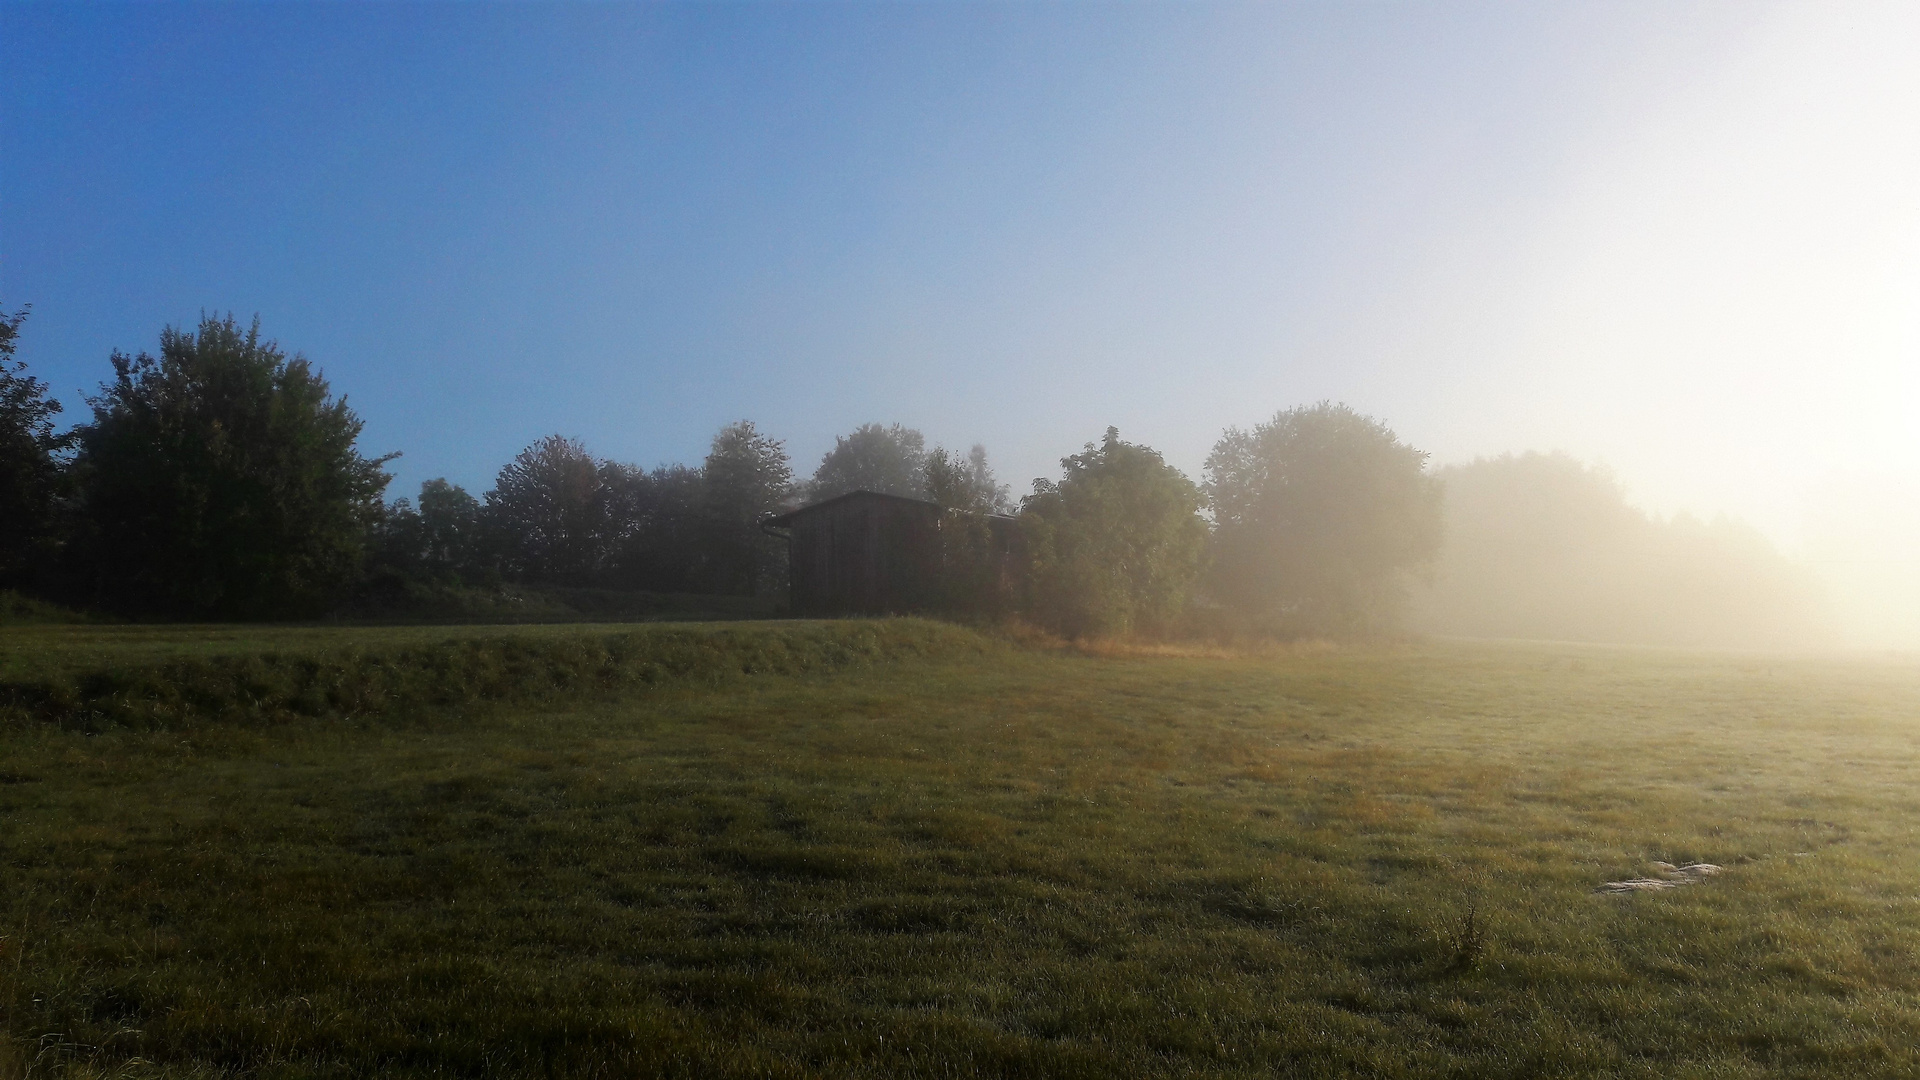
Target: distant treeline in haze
[221,479]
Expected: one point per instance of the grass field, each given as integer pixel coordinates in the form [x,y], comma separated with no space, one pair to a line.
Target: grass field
[945,856]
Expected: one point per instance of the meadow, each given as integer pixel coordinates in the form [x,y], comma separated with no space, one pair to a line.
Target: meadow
[904,849]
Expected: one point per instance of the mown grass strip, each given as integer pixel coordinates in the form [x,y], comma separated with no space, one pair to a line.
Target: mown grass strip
[393,679]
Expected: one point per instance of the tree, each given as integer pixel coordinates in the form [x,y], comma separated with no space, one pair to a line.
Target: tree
[221,479]
[450,529]
[747,475]
[966,484]
[550,507]
[662,549]
[439,541]
[891,460]
[1116,545]
[30,472]
[971,555]
[396,546]
[1320,515]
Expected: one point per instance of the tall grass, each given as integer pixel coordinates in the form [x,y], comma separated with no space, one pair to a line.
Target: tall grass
[19,610]
[368,673]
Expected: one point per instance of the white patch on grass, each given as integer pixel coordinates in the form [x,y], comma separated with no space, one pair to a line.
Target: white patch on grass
[1671,877]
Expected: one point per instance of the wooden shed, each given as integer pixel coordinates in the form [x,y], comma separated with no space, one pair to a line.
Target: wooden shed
[866,553]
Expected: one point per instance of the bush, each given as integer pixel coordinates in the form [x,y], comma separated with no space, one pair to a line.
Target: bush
[1115,546]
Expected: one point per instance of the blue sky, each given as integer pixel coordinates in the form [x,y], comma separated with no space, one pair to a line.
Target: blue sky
[1678,238]
[634,223]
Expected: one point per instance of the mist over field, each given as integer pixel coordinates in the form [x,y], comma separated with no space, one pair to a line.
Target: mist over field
[1540,546]
[1863,544]
[1184,539]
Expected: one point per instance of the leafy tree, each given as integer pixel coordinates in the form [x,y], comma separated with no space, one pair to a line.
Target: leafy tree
[980,474]
[396,545]
[551,506]
[1116,545]
[439,541]
[662,546]
[968,483]
[30,472]
[747,475]
[221,479]
[450,528]
[1320,515]
[972,553]
[891,460]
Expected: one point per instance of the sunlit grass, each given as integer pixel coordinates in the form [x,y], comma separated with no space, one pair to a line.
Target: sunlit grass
[1025,863]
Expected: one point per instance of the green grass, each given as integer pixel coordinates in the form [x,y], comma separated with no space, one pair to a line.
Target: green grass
[18,610]
[996,863]
[417,602]
[150,677]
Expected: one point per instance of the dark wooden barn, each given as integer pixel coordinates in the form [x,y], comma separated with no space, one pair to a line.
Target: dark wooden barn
[865,553]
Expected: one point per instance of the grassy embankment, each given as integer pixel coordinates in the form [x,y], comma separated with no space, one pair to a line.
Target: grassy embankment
[919,853]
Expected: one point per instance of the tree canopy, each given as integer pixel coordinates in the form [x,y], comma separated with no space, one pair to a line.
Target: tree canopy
[551,505]
[221,479]
[1320,514]
[748,475]
[889,459]
[663,547]
[973,579]
[1116,545]
[29,464]
[966,484]
[440,542]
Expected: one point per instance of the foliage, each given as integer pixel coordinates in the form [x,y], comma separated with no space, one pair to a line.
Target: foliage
[1542,546]
[449,527]
[560,516]
[975,549]
[997,496]
[661,547]
[30,472]
[1320,515]
[552,506]
[980,862]
[747,477]
[441,542]
[887,459]
[1116,545]
[967,485]
[221,480]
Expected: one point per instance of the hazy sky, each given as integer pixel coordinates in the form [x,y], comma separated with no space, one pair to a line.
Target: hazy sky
[1681,239]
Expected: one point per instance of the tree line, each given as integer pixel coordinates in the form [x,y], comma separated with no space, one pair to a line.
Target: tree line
[222,479]
[1544,546]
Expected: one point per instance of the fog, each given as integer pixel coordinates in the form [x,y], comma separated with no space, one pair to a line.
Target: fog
[1542,546]
[1721,302]
[1863,544]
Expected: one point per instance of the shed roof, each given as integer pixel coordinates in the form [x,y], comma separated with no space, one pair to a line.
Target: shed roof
[787,518]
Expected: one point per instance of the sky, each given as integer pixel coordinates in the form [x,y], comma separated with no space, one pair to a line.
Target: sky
[1682,240]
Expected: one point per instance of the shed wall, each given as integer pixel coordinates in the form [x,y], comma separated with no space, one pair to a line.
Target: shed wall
[864,556]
